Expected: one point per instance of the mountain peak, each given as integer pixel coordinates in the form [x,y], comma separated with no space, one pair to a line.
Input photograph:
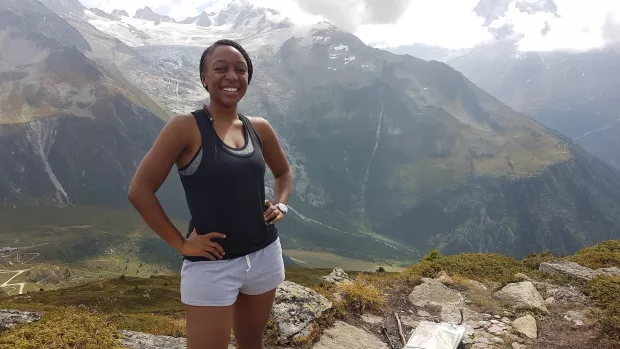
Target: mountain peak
[65,7]
[148,14]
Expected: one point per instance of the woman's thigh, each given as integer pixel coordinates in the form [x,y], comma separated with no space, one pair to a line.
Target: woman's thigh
[208,327]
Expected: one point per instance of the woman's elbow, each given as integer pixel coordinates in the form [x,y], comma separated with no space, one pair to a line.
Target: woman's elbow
[136,194]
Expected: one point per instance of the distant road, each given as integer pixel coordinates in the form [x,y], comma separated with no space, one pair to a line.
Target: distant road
[17,273]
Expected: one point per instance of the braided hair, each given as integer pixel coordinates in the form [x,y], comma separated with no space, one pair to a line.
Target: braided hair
[231,43]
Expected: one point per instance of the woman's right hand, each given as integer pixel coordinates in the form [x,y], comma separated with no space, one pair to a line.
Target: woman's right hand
[202,246]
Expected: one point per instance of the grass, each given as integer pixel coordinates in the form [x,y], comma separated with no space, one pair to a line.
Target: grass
[64,328]
[360,297]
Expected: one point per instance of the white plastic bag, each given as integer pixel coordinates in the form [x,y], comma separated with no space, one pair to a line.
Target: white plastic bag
[430,335]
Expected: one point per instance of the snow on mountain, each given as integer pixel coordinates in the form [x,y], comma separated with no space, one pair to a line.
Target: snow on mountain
[238,20]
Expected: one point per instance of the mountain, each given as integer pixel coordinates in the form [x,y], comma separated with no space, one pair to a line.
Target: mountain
[79,128]
[65,7]
[571,92]
[392,155]
[391,151]
[150,15]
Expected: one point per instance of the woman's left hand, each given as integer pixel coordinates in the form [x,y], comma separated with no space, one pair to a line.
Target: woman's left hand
[273,214]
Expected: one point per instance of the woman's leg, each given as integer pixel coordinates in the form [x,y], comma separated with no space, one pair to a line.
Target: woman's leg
[251,314]
[208,327]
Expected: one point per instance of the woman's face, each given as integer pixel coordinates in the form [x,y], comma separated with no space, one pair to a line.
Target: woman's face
[226,75]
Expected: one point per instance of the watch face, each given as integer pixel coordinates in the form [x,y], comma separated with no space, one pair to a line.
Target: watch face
[282,208]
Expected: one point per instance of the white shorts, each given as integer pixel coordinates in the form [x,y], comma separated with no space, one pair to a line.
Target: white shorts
[217,283]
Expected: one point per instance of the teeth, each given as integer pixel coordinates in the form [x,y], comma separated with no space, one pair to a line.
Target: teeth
[230,89]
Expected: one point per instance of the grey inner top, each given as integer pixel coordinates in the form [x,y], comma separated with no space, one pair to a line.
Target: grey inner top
[193,166]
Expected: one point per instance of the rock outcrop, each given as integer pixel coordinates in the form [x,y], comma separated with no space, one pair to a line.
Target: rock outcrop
[527,326]
[138,340]
[10,318]
[522,295]
[296,307]
[337,276]
[433,292]
[572,269]
[343,335]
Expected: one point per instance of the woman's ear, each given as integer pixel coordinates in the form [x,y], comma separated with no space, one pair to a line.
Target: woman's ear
[204,82]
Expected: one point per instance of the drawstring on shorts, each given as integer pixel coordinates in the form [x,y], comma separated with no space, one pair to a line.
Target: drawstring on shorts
[247,259]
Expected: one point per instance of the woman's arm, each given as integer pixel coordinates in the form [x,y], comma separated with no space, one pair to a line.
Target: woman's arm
[151,174]
[278,164]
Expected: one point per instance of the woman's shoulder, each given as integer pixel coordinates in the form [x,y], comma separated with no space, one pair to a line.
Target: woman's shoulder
[262,127]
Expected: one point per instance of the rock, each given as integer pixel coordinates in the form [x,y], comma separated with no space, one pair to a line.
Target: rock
[508,314]
[296,307]
[10,318]
[494,321]
[522,294]
[527,326]
[372,319]
[487,316]
[451,314]
[486,338]
[444,278]
[565,294]
[343,335]
[522,277]
[337,276]
[576,317]
[473,284]
[495,329]
[506,320]
[549,300]
[139,340]
[433,292]
[409,321]
[470,315]
[560,267]
[423,313]
[497,316]
[517,345]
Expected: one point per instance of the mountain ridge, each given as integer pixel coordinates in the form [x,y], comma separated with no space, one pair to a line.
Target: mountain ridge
[382,146]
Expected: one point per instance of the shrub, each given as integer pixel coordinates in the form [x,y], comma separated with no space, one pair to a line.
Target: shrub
[360,296]
[534,260]
[604,291]
[603,255]
[477,266]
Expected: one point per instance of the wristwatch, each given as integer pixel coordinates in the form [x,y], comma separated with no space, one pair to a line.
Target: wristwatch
[282,207]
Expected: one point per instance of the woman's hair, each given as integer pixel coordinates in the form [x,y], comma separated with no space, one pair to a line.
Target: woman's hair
[226,42]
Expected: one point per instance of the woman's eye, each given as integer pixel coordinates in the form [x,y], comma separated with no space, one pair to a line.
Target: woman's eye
[220,69]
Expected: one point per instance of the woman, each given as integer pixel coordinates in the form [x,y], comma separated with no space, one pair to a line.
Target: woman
[232,253]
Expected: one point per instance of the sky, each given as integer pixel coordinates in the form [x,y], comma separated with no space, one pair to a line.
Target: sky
[577,24]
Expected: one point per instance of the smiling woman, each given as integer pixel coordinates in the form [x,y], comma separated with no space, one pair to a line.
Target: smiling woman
[232,254]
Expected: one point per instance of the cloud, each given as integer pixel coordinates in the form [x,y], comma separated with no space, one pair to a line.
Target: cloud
[538,24]
[545,30]
[611,28]
[350,14]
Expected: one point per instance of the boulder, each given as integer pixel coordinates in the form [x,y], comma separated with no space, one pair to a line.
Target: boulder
[138,340]
[337,276]
[296,307]
[343,335]
[526,325]
[572,269]
[575,317]
[522,295]
[433,292]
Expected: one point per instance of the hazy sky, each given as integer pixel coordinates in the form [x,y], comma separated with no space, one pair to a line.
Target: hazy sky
[578,24]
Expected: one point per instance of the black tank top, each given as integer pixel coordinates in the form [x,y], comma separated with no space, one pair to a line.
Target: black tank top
[226,192]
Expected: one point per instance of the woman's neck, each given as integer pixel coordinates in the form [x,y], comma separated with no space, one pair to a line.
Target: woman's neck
[221,113]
